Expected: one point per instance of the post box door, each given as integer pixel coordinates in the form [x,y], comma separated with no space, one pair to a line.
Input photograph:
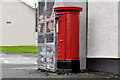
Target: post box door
[60,30]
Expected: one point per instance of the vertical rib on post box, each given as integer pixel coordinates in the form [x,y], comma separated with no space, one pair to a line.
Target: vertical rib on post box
[67,29]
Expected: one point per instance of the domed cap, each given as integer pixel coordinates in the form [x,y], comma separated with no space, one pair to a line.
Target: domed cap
[67,7]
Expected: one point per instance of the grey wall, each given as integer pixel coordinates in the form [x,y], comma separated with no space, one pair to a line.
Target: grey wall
[21,30]
[102,30]
[119,29]
[0,23]
[0,37]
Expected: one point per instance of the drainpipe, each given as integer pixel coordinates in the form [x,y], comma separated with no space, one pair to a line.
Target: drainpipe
[35,18]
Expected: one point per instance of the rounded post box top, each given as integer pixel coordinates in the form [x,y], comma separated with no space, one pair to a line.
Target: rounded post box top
[68,7]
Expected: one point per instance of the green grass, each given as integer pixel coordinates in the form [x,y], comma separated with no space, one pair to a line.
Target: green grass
[53,74]
[24,49]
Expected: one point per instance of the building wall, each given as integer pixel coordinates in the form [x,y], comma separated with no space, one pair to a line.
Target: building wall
[20,32]
[102,30]
[0,23]
[119,29]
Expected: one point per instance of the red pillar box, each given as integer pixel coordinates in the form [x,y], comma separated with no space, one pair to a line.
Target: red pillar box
[67,29]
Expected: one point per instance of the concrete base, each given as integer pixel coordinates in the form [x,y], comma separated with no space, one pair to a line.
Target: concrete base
[105,65]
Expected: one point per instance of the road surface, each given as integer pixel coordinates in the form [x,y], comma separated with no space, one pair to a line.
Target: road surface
[23,65]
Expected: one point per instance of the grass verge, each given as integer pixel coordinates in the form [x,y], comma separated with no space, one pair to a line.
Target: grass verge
[23,49]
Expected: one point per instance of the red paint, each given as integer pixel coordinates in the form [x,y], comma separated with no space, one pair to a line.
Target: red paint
[68,32]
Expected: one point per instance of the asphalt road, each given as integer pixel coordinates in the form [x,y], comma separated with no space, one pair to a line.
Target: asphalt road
[18,65]
[23,65]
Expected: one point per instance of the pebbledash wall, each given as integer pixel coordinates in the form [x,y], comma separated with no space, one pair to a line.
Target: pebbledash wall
[103,29]
[21,30]
[103,50]
[99,22]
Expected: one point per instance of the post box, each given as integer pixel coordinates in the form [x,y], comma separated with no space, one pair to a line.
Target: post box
[67,29]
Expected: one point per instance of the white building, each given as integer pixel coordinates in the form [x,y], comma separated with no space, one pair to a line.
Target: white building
[18,23]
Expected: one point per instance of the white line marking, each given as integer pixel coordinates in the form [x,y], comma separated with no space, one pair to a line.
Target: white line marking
[14,58]
[24,68]
[2,54]
[18,62]
[35,63]
[6,62]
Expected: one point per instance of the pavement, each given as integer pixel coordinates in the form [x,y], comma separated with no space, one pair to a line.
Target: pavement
[24,65]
